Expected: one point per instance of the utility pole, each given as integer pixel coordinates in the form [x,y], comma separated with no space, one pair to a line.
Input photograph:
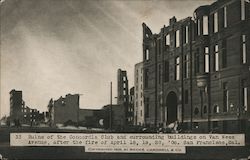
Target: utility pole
[110,119]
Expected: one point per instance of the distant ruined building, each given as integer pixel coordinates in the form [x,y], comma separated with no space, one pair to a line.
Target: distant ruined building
[65,109]
[123,95]
[20,114]
[16,105]
[139,111]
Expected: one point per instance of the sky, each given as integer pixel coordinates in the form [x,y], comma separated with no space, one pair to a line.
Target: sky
[50,48]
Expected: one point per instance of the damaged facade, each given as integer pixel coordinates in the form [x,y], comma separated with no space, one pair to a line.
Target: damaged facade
[21,114]
[196,71]
[138,96]
[64,109]
[123,95]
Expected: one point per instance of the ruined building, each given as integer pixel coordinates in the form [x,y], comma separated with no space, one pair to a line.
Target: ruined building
[196,70]
[138,97]
[123,94]
[64,109]
[16,105]
[20,113]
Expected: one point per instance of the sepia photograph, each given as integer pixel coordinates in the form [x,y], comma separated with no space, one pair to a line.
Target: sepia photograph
[125,79]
